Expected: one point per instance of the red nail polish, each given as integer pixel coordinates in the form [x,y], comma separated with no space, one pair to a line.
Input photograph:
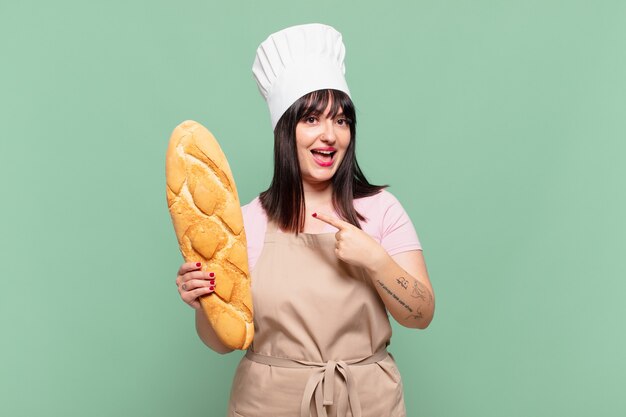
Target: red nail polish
[314,214]
[211,288]
[211,274]
[198,264]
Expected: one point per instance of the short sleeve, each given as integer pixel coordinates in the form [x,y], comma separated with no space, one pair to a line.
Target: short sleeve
[398,233]
[255,224]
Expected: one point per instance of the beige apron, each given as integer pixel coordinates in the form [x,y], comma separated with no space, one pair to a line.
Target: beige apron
[321,332]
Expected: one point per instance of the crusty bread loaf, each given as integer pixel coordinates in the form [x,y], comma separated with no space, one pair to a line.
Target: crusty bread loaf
[204,205]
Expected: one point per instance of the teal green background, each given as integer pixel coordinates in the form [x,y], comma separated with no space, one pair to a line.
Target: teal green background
[500,126]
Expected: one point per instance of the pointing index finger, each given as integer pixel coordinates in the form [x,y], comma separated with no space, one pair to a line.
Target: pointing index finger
[333,221]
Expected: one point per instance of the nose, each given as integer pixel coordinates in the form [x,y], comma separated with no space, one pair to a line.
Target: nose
[328,133]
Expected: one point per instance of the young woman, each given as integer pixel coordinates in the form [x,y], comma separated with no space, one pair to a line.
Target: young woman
[330,254]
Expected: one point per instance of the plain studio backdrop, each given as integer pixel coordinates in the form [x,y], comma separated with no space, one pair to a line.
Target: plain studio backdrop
[499,125]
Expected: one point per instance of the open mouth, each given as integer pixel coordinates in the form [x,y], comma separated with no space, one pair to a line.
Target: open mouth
[323,158]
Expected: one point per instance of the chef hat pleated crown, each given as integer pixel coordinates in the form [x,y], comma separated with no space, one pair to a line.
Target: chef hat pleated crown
[296,61]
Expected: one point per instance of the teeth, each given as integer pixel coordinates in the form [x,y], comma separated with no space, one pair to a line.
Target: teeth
[324,152]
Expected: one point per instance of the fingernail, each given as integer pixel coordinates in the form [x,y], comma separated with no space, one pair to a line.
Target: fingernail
[211,274]
[314,214]
[212,282]
[211,288]
[198,264]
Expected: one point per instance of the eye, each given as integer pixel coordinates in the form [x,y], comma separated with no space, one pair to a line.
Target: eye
[342,121]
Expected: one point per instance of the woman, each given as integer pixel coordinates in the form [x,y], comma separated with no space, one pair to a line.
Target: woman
[330,254]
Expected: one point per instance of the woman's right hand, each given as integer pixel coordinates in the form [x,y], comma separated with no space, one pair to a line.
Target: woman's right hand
[193,283]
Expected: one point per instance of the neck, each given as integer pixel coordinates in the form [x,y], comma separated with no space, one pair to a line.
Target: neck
[318,194]
[318,197]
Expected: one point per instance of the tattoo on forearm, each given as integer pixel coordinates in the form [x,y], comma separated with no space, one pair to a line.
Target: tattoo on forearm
[391,293]
[403,282]
[418,315]
[420,291]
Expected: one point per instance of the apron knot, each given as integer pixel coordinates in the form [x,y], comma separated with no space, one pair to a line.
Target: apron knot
[320,386]
[329,382]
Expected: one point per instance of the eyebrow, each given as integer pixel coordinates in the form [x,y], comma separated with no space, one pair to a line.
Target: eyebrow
[319,113]
[339,113]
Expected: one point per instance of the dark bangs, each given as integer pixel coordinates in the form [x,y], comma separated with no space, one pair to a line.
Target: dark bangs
[315,103]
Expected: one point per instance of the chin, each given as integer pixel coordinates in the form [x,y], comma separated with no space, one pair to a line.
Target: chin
[318,179]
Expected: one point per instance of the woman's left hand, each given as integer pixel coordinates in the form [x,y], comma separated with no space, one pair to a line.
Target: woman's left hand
[353,245]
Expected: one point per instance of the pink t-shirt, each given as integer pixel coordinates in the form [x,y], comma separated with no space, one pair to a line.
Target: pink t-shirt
[387,223]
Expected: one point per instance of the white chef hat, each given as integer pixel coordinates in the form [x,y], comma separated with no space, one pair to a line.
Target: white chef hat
[296,61]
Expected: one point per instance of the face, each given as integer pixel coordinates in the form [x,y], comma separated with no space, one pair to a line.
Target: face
[321,142]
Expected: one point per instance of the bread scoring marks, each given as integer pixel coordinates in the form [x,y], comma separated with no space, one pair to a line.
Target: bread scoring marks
[221,205]
[236,268]
[186,195]
[213,169]
[186,198]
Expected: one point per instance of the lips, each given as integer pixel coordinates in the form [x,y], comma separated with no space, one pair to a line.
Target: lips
[323,156]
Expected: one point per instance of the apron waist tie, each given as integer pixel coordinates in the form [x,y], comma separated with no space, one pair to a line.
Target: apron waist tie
[321,383]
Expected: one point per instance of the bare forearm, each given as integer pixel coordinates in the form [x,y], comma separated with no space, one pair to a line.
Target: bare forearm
[207,334]
[409,300]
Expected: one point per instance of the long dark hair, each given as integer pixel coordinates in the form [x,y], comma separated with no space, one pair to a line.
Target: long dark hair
[284,201]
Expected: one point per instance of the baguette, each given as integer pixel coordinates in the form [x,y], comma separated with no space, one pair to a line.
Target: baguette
[205,210]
